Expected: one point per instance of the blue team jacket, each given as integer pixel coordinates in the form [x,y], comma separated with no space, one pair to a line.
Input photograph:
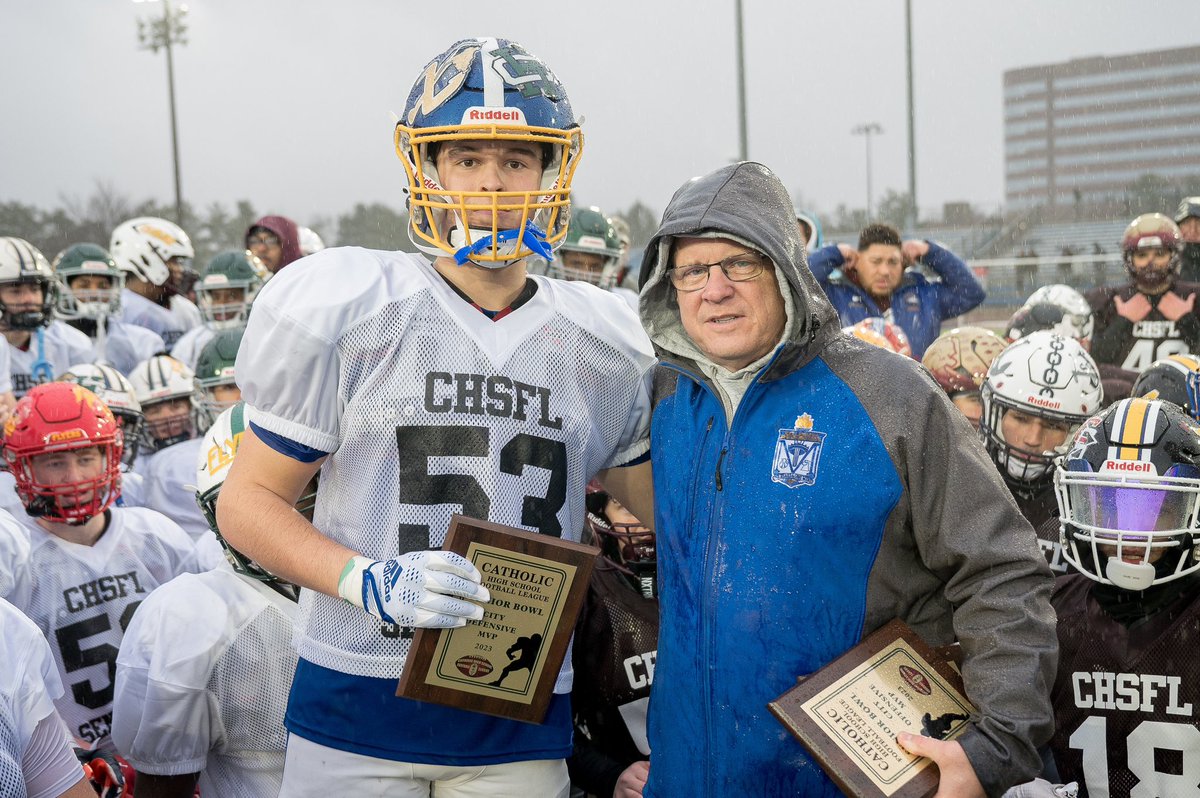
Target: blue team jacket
[918,305]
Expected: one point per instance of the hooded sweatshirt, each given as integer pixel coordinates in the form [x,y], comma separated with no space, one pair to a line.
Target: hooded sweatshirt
[289,236]
[835,489]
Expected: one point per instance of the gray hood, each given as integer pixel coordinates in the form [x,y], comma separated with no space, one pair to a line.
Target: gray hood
[745,202]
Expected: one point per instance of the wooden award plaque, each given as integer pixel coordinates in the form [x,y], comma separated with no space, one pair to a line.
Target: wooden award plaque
[505,664]
[848,713]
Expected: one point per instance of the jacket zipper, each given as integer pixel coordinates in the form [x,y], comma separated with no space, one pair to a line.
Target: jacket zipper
[708,595]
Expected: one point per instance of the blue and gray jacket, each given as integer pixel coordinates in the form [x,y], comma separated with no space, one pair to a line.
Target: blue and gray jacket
[918,305]
[842,490]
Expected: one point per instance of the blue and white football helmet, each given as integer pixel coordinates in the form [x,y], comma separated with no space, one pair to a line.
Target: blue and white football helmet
[488,89]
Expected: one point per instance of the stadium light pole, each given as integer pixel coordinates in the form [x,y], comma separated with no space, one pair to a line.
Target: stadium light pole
[913,213]
[163,34]
[867,130]
[741,83]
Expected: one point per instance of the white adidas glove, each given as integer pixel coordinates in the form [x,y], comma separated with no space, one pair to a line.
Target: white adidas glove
[1040,788]
[415,589]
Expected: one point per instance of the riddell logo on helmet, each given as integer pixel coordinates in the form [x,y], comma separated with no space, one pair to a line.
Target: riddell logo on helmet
[478,114]
[1139,466]
[1038,401]
[66,436]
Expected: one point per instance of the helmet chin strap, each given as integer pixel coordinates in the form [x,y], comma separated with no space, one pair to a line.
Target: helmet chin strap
[531,236]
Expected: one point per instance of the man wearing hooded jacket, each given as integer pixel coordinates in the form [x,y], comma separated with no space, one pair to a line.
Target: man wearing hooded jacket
[275,240]
[811,487]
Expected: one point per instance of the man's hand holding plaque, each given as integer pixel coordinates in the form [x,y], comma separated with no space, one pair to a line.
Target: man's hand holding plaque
[880,719]
[416,589]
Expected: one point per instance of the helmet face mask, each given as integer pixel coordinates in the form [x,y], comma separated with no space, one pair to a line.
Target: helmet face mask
[484,93]
[227,289]
[591,252]
[63,448]
[167,392]
[1129,496]
[1045,379]
[626,545]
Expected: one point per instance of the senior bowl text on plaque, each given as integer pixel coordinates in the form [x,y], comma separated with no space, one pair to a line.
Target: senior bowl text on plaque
[505,664]
[848,713]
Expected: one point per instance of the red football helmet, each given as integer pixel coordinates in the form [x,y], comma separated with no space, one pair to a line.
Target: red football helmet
[62,417]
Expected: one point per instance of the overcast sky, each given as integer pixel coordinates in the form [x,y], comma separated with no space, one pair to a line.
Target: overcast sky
[287,103]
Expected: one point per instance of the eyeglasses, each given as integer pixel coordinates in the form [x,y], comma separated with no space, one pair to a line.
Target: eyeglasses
[265,240]
[737,268]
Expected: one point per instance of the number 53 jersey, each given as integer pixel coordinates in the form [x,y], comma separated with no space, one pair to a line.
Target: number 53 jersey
[1126,697]
[428,408]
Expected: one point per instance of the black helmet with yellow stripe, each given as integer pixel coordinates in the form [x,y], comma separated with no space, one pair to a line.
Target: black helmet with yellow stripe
[1129,495]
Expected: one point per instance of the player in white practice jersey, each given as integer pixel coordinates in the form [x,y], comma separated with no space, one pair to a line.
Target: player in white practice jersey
[156,256]
[91,563]
[422,389]
[225,293]
[89,299]
[171,477]
[204,672]
[36,760]
[166,391]
[39,346]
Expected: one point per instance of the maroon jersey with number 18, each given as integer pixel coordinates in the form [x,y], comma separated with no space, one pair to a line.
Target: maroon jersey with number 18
[1126,697]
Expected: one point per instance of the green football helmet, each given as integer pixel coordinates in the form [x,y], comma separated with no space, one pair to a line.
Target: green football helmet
[214,370]
[592,250]
[87,260]
[216,293]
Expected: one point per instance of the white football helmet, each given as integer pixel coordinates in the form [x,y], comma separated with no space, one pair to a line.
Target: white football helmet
[22,262]
[1046,375]
[115,391]
[310,242]
[144,245]
[1058,308]
[162,379]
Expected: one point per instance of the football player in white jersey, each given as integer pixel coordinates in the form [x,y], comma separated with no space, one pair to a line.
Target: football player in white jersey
[92,563]
[204,672]
[171,477]
[225,293]
[89,299]
[166,391]
[420,390]
[36,760]
[39,346]
[156,257]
